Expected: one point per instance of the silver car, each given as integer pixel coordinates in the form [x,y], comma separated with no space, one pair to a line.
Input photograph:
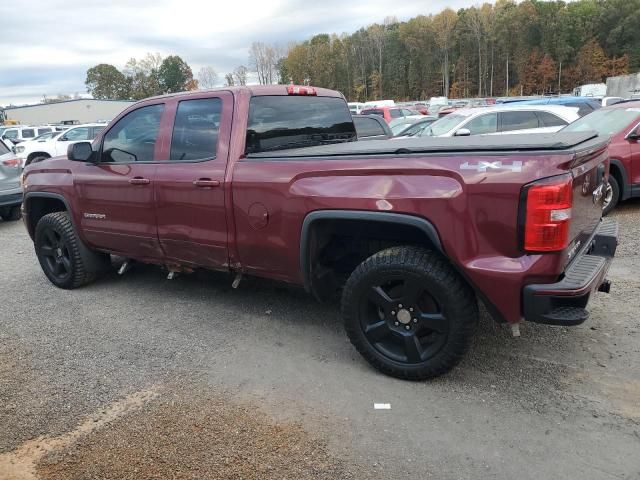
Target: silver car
[10,189]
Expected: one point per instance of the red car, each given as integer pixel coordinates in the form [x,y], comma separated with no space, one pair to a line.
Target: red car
[390,113]
[622,122]
[270,181]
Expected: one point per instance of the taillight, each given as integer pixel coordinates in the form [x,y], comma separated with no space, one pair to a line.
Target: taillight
[297,90]
[548,215]
[12,162]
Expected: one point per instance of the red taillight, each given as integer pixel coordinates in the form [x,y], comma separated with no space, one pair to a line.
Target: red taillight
[297,90]
[12,162]
[548,215]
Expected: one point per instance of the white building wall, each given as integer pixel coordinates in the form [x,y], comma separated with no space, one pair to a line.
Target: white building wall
[83,110]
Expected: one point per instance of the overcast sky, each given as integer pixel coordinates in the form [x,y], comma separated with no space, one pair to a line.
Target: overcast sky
[48,45]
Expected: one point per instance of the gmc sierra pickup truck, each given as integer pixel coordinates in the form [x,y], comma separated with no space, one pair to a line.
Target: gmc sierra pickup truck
[272,182]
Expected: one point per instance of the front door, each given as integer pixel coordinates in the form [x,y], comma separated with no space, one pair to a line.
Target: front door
[116,195]
[190,186]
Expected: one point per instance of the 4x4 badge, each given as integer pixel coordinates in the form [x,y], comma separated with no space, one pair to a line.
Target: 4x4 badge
[515,167]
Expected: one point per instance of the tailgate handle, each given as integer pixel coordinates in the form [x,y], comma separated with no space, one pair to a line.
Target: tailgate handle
[206,183]
[139,181]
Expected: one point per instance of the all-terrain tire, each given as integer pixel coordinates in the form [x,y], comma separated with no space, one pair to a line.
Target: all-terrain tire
[57,243]
[615,196]
[442,288]
[12,214]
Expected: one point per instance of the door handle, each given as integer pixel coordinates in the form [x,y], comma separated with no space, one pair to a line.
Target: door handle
[139,181]
[206,182]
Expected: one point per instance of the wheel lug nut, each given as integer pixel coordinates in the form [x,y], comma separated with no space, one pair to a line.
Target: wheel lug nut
[400,306]
[396,323]
[415,320]
[411,309]
[393,312]
[407,327]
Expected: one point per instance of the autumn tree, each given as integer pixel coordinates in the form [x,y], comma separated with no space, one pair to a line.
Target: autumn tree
[444,25]
[174,75]
[106,82]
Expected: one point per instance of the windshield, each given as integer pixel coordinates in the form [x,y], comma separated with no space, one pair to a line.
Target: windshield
[443,125]
[47,136]
[605,121]
[3,148]
[11,134]
[396,129]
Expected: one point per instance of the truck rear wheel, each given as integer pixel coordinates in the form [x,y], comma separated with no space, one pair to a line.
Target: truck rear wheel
[409,313]
[61,254]
[611,195]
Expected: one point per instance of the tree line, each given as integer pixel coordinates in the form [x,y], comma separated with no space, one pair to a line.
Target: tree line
[531,47]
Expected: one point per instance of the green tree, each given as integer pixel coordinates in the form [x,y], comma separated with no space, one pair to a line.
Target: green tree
[174,75]
[105,81]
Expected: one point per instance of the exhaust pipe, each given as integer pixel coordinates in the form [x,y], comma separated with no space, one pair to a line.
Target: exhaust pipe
[605,286]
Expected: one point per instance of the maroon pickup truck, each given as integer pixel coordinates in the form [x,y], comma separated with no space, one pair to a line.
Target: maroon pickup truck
[271,182]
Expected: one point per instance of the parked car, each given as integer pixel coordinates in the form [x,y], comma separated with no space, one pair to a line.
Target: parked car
[41,149]
[622,122]
[23,150]
[371,127]
[10,189]
[501,119]
[607,101]
[411,231]
[585,105]
[417,127]
[21,133]
[355,107]
[389,113]
[400,124]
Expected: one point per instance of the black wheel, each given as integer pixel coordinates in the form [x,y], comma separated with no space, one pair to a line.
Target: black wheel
[59,252]
[11,214]
[611,196]
[409,313]
[35,159]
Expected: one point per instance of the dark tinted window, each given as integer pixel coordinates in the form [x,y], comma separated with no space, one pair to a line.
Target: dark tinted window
[550,120]
[483,124]
[373,111]
[195,131]
[396,113]
[518,121]
[133,137]
[583,108]
[281,122]
[28,133]
[43,130]
[368,127]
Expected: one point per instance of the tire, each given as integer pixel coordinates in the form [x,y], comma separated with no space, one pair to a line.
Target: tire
[59,252]
[12,214]
[35,159]
[612,196]
[409,313]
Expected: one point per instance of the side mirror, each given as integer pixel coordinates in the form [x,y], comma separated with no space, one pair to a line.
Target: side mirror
[80,152]
[462,132]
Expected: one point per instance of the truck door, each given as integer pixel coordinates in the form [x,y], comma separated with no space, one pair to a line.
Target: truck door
[116,195]
[190,206]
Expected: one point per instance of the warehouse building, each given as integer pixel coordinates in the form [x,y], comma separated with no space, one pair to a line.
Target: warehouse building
[625,86]
[83,110]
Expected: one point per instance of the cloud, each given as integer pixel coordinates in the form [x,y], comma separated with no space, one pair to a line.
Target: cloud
[49,44]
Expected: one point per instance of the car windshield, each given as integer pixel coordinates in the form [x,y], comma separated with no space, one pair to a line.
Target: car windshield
[3,148]
[416,129]
[605,121]
[443,125]
[396,129]
[47,136]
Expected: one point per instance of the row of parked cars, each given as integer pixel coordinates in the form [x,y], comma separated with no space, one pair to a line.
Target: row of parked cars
[618,119]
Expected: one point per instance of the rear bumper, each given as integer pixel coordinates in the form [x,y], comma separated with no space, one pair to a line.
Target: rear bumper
[10,200]
[564,302]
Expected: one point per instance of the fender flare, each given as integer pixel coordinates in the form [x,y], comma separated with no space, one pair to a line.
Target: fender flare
[625,187]
[383,217]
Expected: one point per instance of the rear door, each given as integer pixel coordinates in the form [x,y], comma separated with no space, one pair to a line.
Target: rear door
[517,120]
[190,186]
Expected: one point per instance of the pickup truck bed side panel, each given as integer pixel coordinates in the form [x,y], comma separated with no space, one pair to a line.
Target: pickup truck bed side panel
[475,210]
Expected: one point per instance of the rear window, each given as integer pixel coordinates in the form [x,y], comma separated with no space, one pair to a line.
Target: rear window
[605,121]
[368,127]
[583,108]
[373,111]
[518,120]
[550,120]
[283,122]
[195,131]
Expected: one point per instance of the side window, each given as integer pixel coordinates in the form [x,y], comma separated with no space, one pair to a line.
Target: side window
[583,108]
[75,135]
[10,134]
[483,124]
[550,120]
[133,137]
[28,133]
[518,121]
[43,130]
[95,131]
[195,130]
[396,113]
[367,127]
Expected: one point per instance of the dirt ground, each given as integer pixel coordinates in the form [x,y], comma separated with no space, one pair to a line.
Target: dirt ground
[139,377]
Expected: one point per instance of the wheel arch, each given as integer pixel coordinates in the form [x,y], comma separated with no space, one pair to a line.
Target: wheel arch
[39,204]
[620,173]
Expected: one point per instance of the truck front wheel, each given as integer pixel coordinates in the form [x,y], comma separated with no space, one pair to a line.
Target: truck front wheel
[409,313]
[61,254]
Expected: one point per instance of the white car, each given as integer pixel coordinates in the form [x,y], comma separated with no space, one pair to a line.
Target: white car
[355,107]
[19,133]
[57,145]
[501,119]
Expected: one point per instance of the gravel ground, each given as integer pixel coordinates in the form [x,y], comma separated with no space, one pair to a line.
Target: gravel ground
[261,382]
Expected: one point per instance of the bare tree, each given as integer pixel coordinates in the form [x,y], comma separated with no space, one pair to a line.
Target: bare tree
[229,81]
[263,60]
[240,75]
[207,77]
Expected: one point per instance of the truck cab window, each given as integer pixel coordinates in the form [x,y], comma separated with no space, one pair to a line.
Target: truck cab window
[195,130]
[133,137]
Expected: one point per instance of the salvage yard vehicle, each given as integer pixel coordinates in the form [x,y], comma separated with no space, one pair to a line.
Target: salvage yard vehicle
[621,121]
[10,189]
[43,148]
[268,181]
[390,113]
[371,127]
[22,133]
[502,119]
